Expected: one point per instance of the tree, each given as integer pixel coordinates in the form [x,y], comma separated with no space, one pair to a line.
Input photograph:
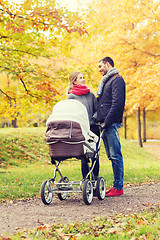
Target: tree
[31,35]
[128,31]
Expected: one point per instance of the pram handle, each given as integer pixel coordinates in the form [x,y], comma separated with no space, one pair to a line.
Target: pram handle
[98,126]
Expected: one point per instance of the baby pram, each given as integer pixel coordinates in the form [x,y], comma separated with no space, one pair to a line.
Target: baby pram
[68,136]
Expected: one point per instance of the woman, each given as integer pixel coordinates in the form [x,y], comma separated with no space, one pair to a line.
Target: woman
[79,91]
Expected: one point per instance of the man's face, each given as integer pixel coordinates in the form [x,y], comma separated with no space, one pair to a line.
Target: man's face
[103,67]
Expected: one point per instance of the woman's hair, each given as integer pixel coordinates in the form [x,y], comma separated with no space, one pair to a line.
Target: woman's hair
[72,78]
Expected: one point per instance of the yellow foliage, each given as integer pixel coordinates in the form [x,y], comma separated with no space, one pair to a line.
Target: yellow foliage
[125,30]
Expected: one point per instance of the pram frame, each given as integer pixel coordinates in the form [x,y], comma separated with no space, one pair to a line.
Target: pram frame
[89,188]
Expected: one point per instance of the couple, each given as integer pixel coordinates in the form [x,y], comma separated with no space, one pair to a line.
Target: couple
[107,109]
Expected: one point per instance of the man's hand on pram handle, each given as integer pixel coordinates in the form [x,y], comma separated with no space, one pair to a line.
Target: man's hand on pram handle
[95,128]
[103,126]
[93,121]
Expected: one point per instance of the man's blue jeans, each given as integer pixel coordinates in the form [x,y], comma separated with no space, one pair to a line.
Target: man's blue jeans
[113,149]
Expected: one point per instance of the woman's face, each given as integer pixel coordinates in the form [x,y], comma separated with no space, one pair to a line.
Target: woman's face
[80,80]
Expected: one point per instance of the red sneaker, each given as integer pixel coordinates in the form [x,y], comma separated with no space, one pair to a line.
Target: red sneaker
[109,190]
[114,193]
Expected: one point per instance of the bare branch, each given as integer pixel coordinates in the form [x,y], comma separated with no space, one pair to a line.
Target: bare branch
[148,53]
[9,98]
[28,91]
[21,51]
[60,25]
[140,50]
[3,37]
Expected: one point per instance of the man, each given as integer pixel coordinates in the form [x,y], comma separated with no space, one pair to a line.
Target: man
[110,107]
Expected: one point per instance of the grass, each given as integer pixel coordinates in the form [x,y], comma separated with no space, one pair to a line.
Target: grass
[25,164]
[22,146]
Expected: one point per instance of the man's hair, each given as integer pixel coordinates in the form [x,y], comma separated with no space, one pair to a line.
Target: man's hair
[107,59]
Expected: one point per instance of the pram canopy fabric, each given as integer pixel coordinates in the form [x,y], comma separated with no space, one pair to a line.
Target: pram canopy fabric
[69,124]
[71,110]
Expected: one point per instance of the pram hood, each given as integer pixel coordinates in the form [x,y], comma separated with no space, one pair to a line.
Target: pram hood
[71,110]
[69,124]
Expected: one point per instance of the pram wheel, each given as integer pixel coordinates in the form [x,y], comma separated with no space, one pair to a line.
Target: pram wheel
[46,192]
[62,196]
[101,188]
[87,192]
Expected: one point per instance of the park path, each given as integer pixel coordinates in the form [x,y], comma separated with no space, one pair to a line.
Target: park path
[153,147]
[29,214]
[33,213]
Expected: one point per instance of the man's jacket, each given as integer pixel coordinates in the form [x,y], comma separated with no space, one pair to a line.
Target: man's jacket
[112,101]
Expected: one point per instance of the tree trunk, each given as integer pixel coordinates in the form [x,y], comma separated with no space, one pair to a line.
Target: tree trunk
[125,127]
[139,128]
[144,125]
[14,123]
